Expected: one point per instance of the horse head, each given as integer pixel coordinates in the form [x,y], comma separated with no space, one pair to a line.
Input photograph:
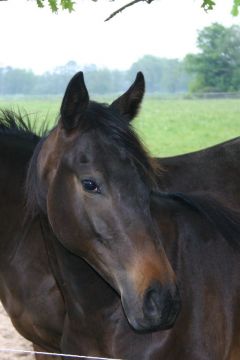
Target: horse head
[95,181]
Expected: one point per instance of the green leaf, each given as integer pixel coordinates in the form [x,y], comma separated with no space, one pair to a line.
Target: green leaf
[208,5]
[53,5]
[40,3]
[235,8]
[67,5]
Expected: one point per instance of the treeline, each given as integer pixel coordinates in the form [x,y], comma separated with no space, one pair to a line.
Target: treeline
[216,68]
[162,76]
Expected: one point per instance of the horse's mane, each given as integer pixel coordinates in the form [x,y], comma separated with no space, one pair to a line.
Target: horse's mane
[21,124]
[224,220]
[26,127]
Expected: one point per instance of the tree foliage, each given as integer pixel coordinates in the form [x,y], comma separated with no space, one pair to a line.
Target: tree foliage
[162,75]
[235,8]
[217,66]
[55,5]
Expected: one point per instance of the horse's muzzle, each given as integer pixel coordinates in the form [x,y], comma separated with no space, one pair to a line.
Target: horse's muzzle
[161,306]
[159,309]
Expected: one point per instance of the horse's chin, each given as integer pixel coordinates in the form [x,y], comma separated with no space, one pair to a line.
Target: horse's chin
[144,327]
[164,321]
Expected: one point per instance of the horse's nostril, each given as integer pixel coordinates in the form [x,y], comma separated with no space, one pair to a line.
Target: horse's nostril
[152,303]
[161,304]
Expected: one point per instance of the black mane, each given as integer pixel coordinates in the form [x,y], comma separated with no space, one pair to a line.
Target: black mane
[225,220]
[20,124]
[25,128]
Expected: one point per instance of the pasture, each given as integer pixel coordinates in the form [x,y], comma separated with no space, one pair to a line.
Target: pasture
[167,127]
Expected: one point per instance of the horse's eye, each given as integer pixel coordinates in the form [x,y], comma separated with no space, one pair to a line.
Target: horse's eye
[90,186]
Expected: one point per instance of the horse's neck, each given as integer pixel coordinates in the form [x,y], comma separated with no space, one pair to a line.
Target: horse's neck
[19,145]
[192,240]
[205,265]
[204,261]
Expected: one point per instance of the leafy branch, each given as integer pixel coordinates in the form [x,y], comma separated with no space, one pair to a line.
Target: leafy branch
[208,4]
[56,5]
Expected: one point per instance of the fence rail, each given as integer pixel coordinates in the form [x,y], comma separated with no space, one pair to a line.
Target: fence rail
[214,95]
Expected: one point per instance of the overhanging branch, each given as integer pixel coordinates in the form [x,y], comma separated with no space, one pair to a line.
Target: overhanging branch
[126,6]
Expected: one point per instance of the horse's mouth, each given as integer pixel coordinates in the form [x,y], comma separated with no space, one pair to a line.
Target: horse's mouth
[164,322]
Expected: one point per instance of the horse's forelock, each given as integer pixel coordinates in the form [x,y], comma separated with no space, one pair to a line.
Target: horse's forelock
[119,132]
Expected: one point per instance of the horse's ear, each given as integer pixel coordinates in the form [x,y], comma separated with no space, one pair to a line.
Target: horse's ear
[75,101]
[129,103]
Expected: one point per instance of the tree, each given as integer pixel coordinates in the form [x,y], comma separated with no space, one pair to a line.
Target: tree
[217,66]
[162,75]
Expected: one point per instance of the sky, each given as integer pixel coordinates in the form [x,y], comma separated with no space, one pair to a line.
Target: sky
[37,39]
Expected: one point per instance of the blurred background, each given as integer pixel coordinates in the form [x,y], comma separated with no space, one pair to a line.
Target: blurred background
[190,59]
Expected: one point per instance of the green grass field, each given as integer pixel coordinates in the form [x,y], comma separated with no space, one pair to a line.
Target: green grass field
[167,127]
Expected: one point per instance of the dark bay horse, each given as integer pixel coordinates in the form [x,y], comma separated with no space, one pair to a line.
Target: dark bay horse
[90,196]
[90,181]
